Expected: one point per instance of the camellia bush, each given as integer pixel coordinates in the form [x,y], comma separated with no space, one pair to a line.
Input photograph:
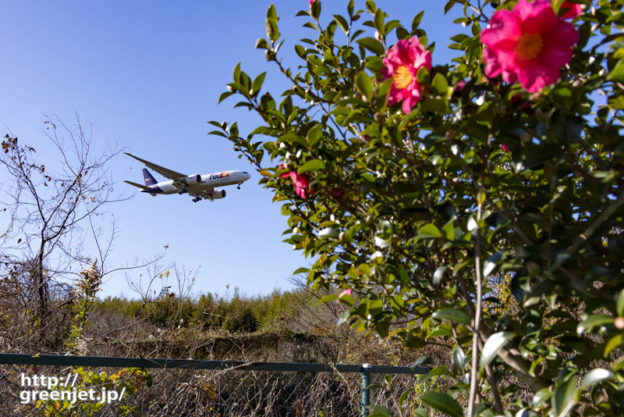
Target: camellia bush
[477,203]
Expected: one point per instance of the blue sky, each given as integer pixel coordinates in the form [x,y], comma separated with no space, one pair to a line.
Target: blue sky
[146,76]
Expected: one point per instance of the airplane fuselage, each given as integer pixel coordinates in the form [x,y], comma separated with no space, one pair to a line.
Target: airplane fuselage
[198,183]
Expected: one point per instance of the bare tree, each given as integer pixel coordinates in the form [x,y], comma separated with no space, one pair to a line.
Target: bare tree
[50,209]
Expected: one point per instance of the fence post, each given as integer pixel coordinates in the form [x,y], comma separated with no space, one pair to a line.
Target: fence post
[366,371]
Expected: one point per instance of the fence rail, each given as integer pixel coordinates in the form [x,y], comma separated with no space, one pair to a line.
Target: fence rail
[164,363]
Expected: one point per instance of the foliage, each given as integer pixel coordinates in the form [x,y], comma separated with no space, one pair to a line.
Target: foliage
[415,212]
[124,382]
[212,312]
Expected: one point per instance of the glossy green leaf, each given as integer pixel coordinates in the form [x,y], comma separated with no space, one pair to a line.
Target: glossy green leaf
[617,74]
[443,403]
[342,22]
[596,376]
[612,344]
[257,84]
[313,165]
[429,231]
[440,84]
[564,397]
[491,347]
[620,304]
[372,45]
[492,263]
[451,314]
[438,275]
[593,320]
[364,85]
[541,396]
[448,230]
[272,31]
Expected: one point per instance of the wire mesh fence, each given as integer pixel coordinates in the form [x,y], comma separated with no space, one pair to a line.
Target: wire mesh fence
[196,388]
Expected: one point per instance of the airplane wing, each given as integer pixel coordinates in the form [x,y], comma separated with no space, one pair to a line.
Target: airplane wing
[143,187]
[172,175]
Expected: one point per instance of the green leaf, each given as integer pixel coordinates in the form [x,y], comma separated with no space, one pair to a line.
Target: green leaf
[257,84]
[421,360]
[451,314]
[620,304]
[459,358]
[443,403]
[416,21]
[262,44]
[429,231]
[594,320]
[438,275]
[380,411]
[541,396]
[313,165]
[372,45]
[420,412]
[225,95]
[328,298]
[494,343]
[316,9]
[272,31]
[491,263]
[314,135]
[440,84]
[364,85]
[564,397]
[342,22]
[448,230]
[612,344]
[617,74]
[595,376]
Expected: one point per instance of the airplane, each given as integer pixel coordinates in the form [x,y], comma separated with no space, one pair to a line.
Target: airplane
[198,186]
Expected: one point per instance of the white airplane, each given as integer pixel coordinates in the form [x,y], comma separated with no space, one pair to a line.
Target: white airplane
[198,186]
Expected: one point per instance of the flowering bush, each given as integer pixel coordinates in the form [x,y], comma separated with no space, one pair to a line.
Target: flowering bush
[506,162]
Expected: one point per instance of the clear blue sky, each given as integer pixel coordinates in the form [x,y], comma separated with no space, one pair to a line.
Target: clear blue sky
[146,75]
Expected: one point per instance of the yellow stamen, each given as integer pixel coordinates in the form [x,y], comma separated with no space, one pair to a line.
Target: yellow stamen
[402,77]
[529,46]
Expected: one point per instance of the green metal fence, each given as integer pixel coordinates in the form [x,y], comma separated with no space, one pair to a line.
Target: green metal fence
[366,372]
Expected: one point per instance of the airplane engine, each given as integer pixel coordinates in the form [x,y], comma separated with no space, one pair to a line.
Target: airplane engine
[218,193]
[193,179]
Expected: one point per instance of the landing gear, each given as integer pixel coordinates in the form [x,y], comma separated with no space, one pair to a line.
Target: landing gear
[196,199]
[238,186]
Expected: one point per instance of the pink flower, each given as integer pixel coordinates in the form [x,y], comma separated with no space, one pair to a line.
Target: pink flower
[311,3]
[300,181]
[505,148]
[529,44]
[572,10]
[345,292]
[401,64]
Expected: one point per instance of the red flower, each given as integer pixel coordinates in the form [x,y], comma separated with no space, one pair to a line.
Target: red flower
[300,181]
[344,293]
[572,10]
[401,64]
[529,44]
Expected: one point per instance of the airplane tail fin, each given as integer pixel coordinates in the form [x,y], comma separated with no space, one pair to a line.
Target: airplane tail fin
[149,179]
